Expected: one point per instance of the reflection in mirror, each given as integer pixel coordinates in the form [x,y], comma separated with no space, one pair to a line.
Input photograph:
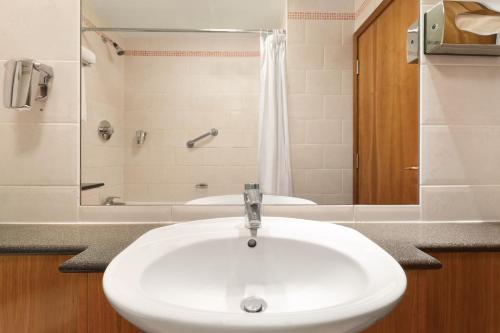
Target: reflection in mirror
[462,27]
[205,96]
[387,109]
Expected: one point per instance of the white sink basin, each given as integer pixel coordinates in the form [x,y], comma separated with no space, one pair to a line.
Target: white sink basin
[314,277]
[237,199]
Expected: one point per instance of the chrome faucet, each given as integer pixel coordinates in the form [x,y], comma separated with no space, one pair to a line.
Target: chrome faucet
[253,204]
[111,201]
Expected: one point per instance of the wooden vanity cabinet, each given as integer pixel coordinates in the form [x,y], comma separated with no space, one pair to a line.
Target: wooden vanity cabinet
[36,298]
[462,297]
[102,317]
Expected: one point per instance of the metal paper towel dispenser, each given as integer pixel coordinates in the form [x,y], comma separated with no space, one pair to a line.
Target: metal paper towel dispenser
[462,27]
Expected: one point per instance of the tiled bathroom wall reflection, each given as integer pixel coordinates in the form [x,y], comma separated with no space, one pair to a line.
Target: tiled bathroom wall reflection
[177,98]
[102,99]
[178,86]
[320,75]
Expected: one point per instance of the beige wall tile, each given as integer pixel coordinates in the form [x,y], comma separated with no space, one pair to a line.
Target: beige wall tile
[452,96]
[460,155]
[324,32]
[296,81]
[90,197]
[347,181]
[331,199]
[338,107]
[125,213]
[305,106]
[382,213]
[38,203]
[297,128]
[324,82]
[323,131]
[143,174]
[338,57]
[296,32]
[39,154]
[299,181]
[338,156]
[305,56]
[347,33]
[347,132]
[460,203]
[326,181]
[137,193]
[190,213]
[338,213]
[347,82]
[307,156]
[111,176]
[58,25]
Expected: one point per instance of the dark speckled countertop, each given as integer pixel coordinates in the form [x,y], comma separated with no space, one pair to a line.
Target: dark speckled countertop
[95,245]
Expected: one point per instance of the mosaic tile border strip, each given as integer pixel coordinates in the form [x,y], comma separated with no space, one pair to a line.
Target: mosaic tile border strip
[321,16]
[182,53]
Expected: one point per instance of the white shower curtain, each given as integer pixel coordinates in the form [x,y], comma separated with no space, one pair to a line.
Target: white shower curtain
[275,171]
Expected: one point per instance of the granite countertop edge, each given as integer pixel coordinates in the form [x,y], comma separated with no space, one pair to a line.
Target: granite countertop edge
[93,246]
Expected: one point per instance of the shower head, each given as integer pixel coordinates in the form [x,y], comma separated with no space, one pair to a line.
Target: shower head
[118,49]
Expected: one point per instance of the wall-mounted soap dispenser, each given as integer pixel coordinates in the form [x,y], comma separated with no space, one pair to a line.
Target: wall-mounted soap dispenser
[462,27]
[22,77]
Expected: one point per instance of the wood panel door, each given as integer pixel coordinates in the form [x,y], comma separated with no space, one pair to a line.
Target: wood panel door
[387,121]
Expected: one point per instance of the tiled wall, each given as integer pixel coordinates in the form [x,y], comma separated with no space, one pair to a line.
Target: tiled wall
[102,161]
[460,136]
[178,87]
[320,98]
[39,151]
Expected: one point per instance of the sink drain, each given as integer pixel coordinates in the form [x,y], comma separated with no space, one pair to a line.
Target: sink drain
[253,305]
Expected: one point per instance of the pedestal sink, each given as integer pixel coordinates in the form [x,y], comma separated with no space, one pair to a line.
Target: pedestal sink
[214,276]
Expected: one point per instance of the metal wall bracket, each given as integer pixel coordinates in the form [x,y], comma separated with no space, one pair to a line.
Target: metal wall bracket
[412,43]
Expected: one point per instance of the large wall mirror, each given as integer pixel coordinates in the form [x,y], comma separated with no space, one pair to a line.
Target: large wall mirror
[185,101]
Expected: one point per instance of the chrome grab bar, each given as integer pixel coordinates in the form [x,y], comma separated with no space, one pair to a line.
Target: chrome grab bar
[212,132]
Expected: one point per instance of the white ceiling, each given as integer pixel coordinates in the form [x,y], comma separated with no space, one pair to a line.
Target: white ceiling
[191,14]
